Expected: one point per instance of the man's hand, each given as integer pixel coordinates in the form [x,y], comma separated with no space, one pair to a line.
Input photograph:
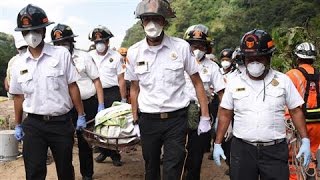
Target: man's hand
[81,122]
[204,125]
[217,152]
[18,132]
[305,150]
[100,107]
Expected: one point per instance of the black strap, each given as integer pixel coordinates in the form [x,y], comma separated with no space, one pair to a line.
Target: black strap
[310,77]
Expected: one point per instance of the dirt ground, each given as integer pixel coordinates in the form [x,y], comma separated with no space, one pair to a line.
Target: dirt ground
[132,169]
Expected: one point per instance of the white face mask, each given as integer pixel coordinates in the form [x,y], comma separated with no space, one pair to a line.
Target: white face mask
[198,54]
[33,39]
[153,29]
[100,47]
[255,68]
[225,64]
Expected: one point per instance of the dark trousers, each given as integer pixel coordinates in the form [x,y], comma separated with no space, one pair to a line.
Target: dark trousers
[169,133]
[56,133]
[85,151]
[196,148]
[258,162]
[226,146]
[110,95]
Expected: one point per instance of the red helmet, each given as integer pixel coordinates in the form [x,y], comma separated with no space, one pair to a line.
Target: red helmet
[257,43]
[31,17]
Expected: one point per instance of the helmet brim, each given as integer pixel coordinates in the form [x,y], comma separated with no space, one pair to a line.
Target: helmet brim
[33,27]
[65,38]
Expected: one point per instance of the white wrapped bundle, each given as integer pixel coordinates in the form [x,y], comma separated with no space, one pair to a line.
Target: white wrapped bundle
[114,122]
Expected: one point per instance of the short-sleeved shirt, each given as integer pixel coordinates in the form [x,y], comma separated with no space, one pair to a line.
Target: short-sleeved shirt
[88,72]
[210,76]
[160,72]
[229,75]
[109,67]
[44,81]
[259,110]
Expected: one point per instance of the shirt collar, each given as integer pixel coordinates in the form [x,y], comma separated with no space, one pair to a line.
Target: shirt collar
[165,43]
[45,50]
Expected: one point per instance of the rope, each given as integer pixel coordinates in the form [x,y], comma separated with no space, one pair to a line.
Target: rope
[294,141]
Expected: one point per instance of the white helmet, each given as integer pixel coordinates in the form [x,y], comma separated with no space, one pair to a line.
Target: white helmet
[19,40]
[306,51]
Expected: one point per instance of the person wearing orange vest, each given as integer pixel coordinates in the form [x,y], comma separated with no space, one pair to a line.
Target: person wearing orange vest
[306,56]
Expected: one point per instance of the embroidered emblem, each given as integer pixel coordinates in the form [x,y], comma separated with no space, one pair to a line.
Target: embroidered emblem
[173,55]
[274,82]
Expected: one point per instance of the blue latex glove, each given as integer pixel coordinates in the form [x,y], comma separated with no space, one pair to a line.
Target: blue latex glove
[217,152]
[100,107]
[305,150]
[18,132]
[81,122]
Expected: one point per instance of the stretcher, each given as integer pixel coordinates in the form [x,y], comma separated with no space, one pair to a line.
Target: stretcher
[98,140]
[112,128]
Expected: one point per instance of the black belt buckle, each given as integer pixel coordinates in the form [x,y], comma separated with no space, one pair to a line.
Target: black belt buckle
[164,115]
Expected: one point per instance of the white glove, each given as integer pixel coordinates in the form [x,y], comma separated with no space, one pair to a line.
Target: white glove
[204,125]
[136,130]
[124,100]
[217,152]
[228,134]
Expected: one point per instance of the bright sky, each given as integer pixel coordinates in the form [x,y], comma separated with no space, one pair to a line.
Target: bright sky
[81,15]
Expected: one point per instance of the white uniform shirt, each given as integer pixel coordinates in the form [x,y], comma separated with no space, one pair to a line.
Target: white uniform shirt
[229,75]
[210,76]
[109,67]
[88,72]
[255,119]
[160,72]
[44,82]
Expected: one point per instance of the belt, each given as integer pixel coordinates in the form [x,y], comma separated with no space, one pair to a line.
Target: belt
[165,115]
[47,117]
[259,144]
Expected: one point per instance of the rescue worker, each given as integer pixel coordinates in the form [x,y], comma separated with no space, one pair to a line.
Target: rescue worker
[156,71]
[237,57]
[198,38]
[90,90]
[44,86]
[305,54]
[229,71]
[21,47]
[123,51]
[109,66]
[257,99]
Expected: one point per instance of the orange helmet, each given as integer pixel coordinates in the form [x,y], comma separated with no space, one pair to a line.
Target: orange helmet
[123,51]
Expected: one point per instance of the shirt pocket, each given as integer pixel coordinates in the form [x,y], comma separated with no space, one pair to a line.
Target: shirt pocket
[275,98]
[174,73]
[144,76]
[241,100]
[53,79]
[26,83]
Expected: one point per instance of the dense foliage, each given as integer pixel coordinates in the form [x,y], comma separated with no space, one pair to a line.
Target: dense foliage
[290,22]
[7,50]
